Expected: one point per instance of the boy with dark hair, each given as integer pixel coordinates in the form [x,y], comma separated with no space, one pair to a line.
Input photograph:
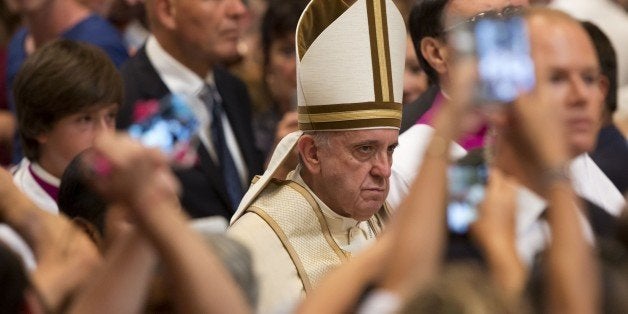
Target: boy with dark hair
[65,94]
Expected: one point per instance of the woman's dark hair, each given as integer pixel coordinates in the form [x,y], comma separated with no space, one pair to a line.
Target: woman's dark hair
[280,20]
[77,199]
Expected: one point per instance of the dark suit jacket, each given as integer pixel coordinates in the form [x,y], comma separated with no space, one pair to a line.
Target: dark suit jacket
[611,155]
[413,111]
[204,193]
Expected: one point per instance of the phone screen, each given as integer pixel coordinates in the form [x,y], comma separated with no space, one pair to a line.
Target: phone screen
[505,67]
[466,191]
[170,125]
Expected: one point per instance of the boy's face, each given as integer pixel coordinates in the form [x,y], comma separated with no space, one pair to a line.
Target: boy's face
[73,134]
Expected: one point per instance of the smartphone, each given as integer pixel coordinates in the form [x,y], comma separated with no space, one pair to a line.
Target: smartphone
[502,49]
[467,185]
[170,125]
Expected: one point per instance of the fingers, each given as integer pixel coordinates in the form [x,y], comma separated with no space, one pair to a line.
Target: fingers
[463,80]
[496,217]
[541,129]
[124,170]
[288,124]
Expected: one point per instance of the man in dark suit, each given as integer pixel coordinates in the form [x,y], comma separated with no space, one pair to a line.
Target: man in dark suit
[190,38]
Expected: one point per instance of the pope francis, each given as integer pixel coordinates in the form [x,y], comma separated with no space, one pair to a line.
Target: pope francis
[350,62]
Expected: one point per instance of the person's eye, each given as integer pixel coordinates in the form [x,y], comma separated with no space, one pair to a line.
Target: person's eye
[557,78]
[366,149]
[112,115]
[391,149]
[287,51]
[85,119]
[416,70]
[590,78]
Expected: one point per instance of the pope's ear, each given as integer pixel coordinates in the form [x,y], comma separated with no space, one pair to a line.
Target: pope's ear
[309,153]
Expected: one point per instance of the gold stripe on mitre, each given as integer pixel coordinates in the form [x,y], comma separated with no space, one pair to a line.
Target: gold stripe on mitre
[380,50]
[350,116]
[316,17]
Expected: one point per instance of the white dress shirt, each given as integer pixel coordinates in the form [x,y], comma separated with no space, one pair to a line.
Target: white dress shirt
[181,80]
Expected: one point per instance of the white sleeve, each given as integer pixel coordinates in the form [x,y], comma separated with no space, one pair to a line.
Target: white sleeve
[380,302]
[407,159]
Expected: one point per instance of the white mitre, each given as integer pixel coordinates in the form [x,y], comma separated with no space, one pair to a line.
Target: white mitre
[350,62]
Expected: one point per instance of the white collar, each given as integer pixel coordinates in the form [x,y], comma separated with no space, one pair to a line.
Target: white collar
[590,182]
[44,175]
[530,207]
[177,77]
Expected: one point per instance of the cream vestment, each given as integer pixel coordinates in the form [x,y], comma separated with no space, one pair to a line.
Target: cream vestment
[295,239]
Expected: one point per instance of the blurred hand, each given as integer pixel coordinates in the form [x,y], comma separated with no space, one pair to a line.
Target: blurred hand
[288,124]
[66,257]
[495,226]
[132,174]
[495,232]
[540,129]
[462,82]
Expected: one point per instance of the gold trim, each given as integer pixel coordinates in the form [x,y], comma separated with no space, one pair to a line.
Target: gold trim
[351,115]
[377,83]
[316,17]
[379,9]
[352,124]
[305,279]
[310,109]
[319,214]
[391,93]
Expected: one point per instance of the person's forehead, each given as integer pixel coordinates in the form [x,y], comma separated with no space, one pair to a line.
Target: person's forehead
[370,135]
[560,42]
[469,8]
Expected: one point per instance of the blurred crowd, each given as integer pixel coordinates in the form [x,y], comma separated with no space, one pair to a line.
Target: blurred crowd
[330,141]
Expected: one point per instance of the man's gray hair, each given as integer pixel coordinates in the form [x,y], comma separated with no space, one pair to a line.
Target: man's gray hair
[237,259]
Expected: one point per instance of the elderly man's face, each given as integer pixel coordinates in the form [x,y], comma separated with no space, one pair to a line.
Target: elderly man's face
[354,171]
[211,28]
[566,62]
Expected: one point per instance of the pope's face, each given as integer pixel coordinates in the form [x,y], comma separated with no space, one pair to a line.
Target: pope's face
[566,62]
[354,171]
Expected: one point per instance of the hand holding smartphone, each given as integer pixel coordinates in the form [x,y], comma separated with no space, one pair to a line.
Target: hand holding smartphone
[170,125]
[467,185]
[502,49]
